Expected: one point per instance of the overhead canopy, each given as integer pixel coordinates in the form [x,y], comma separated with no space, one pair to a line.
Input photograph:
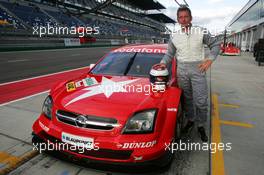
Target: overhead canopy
[146,4]
[160,17]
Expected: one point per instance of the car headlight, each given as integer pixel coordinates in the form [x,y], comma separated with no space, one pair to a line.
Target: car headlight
[47,107]
[141,122]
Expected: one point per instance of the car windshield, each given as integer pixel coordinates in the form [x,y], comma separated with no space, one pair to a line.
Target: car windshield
[130,64]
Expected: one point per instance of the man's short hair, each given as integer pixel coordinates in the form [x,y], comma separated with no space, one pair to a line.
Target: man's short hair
[184,8]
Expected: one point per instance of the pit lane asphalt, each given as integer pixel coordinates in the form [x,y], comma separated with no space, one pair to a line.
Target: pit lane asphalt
[26,64]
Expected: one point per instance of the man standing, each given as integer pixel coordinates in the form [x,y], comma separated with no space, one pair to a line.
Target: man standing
[187,45]
[256,49]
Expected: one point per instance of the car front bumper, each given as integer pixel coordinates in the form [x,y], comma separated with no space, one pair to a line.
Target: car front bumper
[153,152]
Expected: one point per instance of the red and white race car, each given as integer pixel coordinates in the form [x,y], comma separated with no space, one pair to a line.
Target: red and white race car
[110,114]
[230,50]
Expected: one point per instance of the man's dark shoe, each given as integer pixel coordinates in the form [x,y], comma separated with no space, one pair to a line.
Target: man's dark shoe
[202,133]
[187,127]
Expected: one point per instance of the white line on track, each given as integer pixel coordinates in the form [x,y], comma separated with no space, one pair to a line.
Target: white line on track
[15,61]
[54,50]
[41,76]
[74,55]
[24,98]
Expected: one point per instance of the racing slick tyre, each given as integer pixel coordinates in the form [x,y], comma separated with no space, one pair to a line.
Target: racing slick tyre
[36,139]
[177,136]
[39,144]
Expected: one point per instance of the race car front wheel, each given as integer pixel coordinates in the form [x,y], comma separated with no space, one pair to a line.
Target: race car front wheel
[177,136]
[179,123]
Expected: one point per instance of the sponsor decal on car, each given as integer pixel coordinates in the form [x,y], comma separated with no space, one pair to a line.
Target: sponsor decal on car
[172,109]
[45,128]
[137,144]
[71,86]
[79,141]
[141,50]
[89,81]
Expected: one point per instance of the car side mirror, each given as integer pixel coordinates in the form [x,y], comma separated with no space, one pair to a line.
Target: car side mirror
[92,65]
